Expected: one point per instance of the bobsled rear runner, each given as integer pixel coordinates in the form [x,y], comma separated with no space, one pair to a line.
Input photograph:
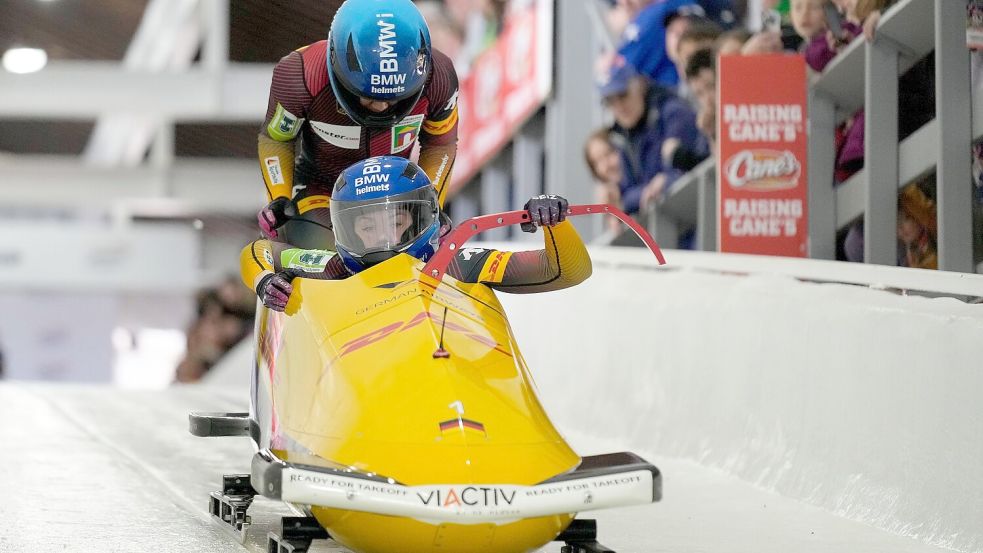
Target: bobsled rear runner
[395,408]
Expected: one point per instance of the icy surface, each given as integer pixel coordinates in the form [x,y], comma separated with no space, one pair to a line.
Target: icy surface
[97,469]
[862,402]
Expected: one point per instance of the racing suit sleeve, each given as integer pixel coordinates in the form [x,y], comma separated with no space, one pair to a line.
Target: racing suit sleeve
[285,115]
[562,263]
[257,260]
[436,162]
[264,257]
[438,136]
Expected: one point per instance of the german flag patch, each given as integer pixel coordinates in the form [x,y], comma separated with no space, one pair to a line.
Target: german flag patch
[463,424]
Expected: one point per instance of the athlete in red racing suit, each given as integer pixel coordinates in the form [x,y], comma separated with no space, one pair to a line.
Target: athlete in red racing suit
[309,137]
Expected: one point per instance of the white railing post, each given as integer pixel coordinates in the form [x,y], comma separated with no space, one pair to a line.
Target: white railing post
[953,109]
[466,203]
[162,149]
[881,153]
[495,187]
[527,164]
[706,210]
[661,226]
[574,109]
[822,158]
[215,53]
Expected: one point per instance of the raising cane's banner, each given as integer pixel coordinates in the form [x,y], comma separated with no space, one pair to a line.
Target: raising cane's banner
[506,84]
[761,173]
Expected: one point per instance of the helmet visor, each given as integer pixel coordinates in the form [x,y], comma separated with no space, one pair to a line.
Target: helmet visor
[384,224]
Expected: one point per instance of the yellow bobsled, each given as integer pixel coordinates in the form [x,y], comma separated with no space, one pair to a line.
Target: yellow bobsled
[395,408]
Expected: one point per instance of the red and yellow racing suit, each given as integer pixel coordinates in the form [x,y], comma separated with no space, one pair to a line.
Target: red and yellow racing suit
[562,263]
[307,139]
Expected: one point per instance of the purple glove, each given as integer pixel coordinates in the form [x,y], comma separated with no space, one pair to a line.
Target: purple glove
[545,211]
[274,290]
[274,215]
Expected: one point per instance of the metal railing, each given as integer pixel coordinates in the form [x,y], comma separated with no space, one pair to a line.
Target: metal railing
[689,204]
[865,75]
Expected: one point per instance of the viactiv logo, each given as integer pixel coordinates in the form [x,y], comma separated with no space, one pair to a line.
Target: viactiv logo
[763,170]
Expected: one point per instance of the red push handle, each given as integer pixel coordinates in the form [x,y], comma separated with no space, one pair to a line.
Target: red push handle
[437,265]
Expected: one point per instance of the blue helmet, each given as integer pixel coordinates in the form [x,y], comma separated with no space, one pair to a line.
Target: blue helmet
[383,206]
[379,50]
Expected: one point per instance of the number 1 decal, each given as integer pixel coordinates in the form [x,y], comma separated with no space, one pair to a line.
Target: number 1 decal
[460,422]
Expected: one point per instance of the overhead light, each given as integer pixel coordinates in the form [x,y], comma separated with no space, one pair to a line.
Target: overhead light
[24,60]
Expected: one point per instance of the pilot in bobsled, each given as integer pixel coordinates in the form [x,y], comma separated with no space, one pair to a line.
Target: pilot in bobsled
[390,403]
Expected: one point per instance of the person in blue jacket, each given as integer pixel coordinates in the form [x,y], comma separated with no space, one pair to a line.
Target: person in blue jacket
[643,43]
[646,116]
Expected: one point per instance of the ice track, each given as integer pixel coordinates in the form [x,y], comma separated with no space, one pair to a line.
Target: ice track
[92,469]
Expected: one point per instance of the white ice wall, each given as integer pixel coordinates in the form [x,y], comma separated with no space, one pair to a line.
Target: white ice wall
[861,401]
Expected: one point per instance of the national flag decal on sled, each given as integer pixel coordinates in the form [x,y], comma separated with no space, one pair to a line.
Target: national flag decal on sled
[462,424]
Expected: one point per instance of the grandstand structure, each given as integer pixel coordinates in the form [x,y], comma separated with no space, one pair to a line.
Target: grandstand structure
[866,75]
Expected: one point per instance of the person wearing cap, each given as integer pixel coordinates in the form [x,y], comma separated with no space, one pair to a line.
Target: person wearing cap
[646,115]
[644,41]
[374,87]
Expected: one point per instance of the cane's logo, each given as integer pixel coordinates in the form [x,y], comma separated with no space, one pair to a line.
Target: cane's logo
[763,170]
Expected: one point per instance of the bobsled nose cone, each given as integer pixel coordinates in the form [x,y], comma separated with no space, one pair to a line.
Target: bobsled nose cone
[370,533]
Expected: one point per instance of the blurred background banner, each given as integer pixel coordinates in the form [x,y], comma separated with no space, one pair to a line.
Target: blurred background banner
[763,195]
[505,86]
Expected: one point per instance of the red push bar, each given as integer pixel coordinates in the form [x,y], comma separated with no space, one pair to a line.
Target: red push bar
[437,265]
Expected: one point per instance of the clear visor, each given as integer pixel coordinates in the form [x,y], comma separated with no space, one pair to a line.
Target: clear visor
[389,224]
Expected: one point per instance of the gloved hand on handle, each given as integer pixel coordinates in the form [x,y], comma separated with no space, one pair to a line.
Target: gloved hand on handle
[274,215]
[545,210]
[274,289]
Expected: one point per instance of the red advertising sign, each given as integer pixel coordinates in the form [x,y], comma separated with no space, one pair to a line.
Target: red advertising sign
[506,84]
[761,170]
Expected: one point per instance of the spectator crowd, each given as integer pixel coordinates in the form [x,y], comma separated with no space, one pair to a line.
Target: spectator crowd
[658,85]
[224,316]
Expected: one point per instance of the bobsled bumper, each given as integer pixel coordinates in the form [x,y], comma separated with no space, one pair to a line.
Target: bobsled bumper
[601,482]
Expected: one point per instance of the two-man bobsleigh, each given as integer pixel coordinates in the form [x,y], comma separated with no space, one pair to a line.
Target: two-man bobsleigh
[390,402]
